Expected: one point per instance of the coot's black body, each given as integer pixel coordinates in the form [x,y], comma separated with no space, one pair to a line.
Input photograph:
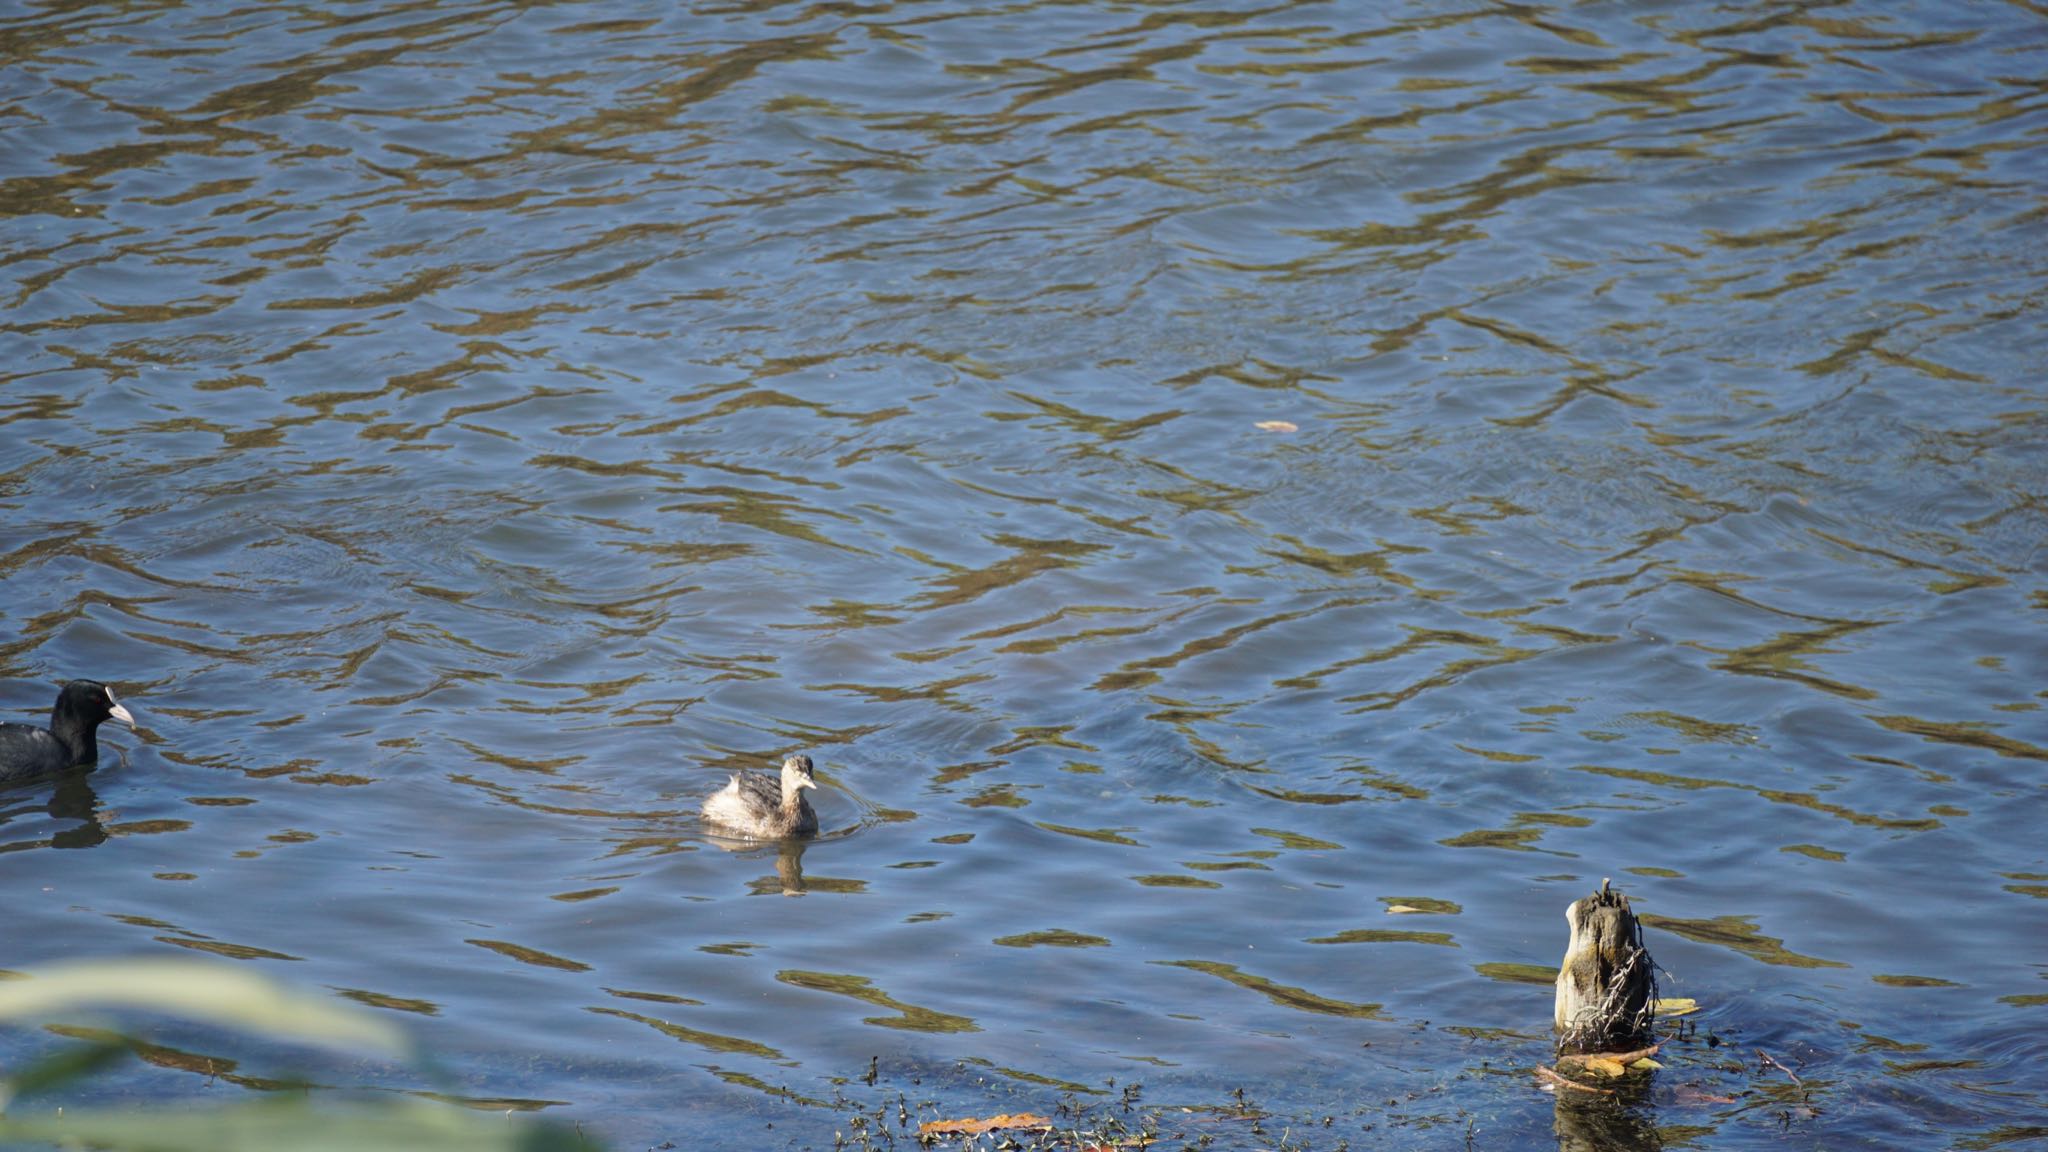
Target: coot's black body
[70,741]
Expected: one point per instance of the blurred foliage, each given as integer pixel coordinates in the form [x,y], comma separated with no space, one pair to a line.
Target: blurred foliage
[249,1004]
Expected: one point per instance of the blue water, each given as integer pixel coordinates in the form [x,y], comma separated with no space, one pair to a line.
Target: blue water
[1197,477]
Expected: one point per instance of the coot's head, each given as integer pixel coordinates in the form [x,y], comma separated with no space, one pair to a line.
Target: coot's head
[91,702]
[796,772]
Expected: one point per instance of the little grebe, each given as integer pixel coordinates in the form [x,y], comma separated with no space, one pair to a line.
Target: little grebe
[760,807]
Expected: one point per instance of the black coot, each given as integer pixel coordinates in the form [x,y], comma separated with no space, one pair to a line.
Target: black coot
[69,741]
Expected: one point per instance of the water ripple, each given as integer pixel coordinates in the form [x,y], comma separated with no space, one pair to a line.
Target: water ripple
[1177,469]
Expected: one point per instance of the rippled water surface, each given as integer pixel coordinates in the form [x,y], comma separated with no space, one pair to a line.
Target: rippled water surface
[1202,479]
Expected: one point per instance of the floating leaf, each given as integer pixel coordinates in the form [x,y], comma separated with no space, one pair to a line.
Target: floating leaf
[973,1127]
[1567,1082]
[1397,905]
[1276,426]
[1610,1063]
[1605,1066]
[1646,1065]
[1675,1006]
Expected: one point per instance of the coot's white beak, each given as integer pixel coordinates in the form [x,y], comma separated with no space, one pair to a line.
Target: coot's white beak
[116,712]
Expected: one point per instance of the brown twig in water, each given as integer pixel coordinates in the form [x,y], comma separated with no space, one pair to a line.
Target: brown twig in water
[1568,1082]
[1579,1059]
[1780,1067]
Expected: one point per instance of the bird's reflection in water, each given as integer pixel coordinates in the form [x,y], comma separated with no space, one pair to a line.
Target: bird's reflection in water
[789,878]
[74,799]
[71,799]
[789,865]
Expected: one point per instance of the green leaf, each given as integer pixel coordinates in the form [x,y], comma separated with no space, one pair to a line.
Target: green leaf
[269,1125]
[213,993]
[72,1063]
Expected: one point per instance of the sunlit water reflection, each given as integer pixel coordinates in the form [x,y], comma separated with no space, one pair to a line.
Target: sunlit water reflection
[1200,480]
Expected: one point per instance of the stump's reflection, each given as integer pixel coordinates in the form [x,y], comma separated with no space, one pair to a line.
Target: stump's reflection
[1623,1122]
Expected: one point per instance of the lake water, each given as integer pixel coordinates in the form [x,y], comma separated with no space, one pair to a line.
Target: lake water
[1202,479]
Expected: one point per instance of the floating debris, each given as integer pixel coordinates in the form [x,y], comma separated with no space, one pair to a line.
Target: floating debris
[1026,1120]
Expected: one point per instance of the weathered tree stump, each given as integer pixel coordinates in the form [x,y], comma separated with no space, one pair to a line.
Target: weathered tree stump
[1607,981]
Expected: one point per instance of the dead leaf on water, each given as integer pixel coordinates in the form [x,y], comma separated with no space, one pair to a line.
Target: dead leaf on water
[1574,1060]
[1276,426]
[1675,1006]
[973,1127]
[1553,1077]
[1420,905]
[1604,1066]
